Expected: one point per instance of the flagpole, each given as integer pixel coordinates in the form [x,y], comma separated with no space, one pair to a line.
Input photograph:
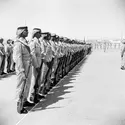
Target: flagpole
[25,22]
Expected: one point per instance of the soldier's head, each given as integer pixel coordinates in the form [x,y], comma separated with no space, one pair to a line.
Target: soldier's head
[36,33]
[22,32]
[123,41]
[61,39]
[57,38]
[73,41]
[46,36]
[8,41]
[12,42]
[53,37]
[1,40]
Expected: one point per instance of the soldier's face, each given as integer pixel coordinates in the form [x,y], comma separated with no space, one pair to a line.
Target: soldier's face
[49,38]
[1,41]
[25,33]
[38,35]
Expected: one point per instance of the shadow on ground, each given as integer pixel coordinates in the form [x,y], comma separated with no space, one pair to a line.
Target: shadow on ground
[7,75]
[60,89]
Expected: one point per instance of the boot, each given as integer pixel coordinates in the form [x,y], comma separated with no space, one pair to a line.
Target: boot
[21,109]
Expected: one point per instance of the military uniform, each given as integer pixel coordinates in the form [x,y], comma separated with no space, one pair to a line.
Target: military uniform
[23,60]
[47,57]
[123,55]
[55,62]
[35,47]
[8,51]
[60,61]
[12,61]
[2,57]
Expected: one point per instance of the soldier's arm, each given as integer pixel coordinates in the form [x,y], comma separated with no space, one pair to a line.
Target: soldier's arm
[122,52]
[1,53]
[43,50]
[6,50]
[17,57]
[33,53]
[53,49]
[61,50]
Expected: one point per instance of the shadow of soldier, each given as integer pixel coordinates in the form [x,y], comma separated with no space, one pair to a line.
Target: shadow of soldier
[59,90]
[7,75]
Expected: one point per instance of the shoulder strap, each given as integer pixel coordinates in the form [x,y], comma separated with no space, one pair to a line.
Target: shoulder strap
[27,47]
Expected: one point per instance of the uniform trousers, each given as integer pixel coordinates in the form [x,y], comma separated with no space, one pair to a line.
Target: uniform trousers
[2,63]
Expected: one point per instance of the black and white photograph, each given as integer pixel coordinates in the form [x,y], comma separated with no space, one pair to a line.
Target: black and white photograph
[62,62]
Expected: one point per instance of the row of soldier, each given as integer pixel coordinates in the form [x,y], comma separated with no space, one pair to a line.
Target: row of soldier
[106,46]
[7,64]
[41,63]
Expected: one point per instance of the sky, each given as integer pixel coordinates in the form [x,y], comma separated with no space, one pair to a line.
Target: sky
[75,19]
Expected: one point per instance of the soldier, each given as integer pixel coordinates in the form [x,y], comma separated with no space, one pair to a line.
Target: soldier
[123,55]
[35,46]
[23,60]
[58,73]
[2,57]
[55,46]
[8,51]
[66,57]
[13,63]
[47,64]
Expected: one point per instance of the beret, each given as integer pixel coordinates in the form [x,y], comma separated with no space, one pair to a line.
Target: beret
[23,27]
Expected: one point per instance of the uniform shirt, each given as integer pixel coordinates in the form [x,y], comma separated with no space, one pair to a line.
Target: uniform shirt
[123,49]
[8,49]
[57,53]
[21,54]
[2,49]
[54,48]
[47,52]
[60,50]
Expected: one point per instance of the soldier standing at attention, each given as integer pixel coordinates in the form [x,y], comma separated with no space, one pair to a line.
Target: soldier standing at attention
[47,64]
[123,55]
[13,63]
[36,50]
[8,51]
[2,57]
[23,60]
[55,40]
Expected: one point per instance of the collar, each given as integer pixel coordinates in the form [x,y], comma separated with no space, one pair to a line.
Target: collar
[23,40]
[37,41]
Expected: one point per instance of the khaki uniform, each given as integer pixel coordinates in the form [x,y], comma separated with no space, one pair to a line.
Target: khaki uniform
[35,47]
[57,66]
[123,55]
[8,51]
[22,58]
[2,58]
[12,61]
[47,56]
[55,63]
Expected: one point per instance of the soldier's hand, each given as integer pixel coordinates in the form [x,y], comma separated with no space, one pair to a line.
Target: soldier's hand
[7,55]
[23,75]
[38,69]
